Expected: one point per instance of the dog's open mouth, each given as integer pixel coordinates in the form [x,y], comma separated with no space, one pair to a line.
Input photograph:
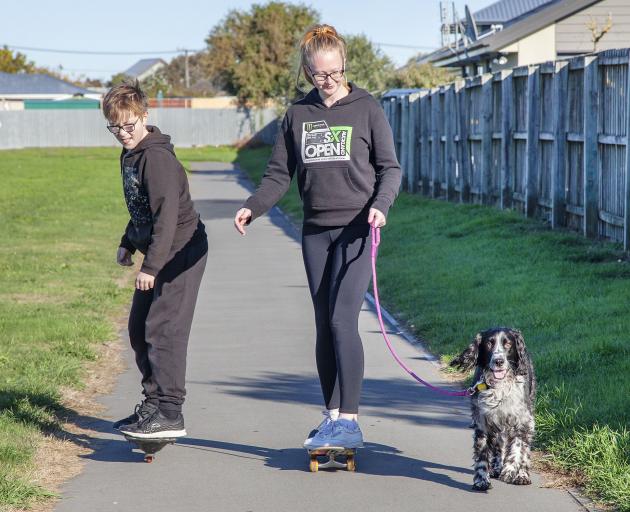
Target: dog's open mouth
[499,374]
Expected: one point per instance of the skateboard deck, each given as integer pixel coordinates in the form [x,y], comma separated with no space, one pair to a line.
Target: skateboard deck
[332,452]
[150,446]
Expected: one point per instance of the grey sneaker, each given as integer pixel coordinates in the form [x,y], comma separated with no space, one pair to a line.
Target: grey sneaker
[325,426]
[142,410]
[156,426]
[343,434]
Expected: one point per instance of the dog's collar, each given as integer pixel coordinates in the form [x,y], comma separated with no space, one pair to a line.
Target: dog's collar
[479,386]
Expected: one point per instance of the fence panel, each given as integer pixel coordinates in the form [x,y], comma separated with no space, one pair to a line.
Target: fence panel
[86,128]
[549,141]
[613,84]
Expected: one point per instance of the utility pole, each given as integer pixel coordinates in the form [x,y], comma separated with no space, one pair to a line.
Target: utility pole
[186,71]
[444,28]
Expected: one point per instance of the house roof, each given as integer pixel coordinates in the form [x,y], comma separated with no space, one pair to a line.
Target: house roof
[505,11]
[521,27]
[22,83]
[142,66]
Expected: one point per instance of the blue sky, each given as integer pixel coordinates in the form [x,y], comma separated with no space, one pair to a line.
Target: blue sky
[136,26]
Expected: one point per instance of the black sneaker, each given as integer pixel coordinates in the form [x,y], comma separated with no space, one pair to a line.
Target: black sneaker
[141,411]
[156,426]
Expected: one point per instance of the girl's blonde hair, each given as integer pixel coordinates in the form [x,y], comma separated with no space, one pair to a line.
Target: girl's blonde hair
[319,38]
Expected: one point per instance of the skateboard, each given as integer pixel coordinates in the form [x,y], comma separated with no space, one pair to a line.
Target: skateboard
[149,446]
[332,452]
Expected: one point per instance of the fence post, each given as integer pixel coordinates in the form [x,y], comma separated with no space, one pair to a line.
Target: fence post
[450,156]
[402,137]
[463,141]
[532,145]
[425,120]
[591,185]
[507,144]
[435,142]
[486,138]
[558,163]
[412,150]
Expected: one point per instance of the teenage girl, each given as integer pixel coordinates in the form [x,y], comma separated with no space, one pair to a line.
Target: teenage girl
[338,143]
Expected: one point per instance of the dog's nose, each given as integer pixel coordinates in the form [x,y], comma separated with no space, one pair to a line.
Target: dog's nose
[500,362]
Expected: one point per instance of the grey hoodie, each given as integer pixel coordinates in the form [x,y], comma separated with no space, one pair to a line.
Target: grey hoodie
[163,217]
[344,156]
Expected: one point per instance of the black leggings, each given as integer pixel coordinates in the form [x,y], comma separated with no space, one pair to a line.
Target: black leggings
[337,262]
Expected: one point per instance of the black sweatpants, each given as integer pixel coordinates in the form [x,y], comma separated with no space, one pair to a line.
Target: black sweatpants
[160,321]
[337,262]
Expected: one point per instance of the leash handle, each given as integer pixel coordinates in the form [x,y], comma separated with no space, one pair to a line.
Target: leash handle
[376,240]
[376,236]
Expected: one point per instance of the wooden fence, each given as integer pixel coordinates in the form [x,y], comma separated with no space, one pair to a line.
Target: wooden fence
[550,141]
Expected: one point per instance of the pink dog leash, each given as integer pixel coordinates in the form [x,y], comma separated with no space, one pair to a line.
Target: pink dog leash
[376,240]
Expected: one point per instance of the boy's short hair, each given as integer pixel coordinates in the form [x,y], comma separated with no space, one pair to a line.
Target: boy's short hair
[123,98]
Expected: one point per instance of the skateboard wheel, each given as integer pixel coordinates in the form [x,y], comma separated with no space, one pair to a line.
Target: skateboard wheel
[314,465]
[350,464]
[148,458]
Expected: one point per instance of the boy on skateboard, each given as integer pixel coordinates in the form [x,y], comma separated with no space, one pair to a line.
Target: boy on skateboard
[165,227]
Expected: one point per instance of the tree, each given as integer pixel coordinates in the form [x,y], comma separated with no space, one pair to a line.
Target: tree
[117,79]
[419,76]
[253,54]
[596,32]
[367,66]
[14,63]
[202,83]
[155,83]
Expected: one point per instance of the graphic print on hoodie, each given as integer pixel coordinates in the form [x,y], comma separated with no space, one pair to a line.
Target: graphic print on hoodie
[321,143]
[343,156]
[136,196]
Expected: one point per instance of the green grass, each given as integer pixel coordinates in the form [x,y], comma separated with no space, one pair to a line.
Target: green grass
[450,270]
[62,214]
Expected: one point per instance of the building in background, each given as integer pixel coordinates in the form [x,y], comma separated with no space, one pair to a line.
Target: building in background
[20,91]
[144,68]
[511,33]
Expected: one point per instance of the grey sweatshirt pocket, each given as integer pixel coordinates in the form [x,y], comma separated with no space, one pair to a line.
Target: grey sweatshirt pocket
[331,187]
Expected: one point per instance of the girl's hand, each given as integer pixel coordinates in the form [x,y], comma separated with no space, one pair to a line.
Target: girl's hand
[241,219]
[376,218]
[123,257]
[144,281]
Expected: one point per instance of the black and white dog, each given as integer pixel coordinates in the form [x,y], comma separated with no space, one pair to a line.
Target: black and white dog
[502,406]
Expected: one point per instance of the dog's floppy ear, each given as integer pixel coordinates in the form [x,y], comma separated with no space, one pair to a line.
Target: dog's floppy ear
[468,358]
[523,361]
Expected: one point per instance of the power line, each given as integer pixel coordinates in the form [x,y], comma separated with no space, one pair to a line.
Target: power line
[72,70]
[86,52]
[407,46]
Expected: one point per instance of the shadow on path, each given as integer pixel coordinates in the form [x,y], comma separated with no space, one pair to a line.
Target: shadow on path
[393,398]
[374,459]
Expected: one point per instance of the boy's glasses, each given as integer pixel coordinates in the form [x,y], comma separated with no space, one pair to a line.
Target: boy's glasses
[129,127]
[321,77]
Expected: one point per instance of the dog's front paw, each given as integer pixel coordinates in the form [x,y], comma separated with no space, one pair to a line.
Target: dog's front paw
[482,485]
[508,474]
[522,478]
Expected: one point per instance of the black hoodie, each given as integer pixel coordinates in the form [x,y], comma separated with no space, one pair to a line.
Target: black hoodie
[344,156]
[163,217]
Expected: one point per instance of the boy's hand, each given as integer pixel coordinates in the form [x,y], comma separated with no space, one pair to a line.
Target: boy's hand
[144,281]
[241,219]
[376,218]
[123,257]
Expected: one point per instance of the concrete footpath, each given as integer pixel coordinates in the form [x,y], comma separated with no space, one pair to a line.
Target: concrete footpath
[253,395]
